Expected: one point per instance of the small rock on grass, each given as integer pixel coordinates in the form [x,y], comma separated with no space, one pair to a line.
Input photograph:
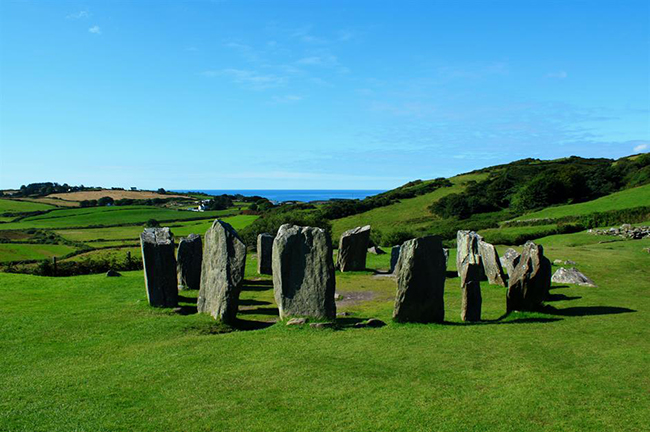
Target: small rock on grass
[372,322]
[297,321]
[321,325]
[343,314]
[112,273]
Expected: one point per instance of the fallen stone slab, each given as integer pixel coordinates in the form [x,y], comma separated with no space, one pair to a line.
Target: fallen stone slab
[376,250]
[571,276]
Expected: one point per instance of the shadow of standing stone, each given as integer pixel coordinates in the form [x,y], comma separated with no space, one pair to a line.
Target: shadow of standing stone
[222,273]
[421,281]
[303,273]
[189,258]
[159,267]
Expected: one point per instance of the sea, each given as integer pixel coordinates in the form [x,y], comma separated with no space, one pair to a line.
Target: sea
[304,195]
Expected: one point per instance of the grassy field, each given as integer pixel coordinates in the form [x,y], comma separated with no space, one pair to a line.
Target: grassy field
[14,206]
[87,353]
[411,213]
[78,217]
[23,251]
[629,198]
[115,194]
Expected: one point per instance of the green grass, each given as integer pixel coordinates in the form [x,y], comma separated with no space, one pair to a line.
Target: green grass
[409,213]
[12,206]
[629,198]
[23,252]
[80,217]
[132,233]
[87,353]
[118,253]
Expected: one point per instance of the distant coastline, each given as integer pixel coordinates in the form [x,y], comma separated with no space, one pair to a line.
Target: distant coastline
[282,195]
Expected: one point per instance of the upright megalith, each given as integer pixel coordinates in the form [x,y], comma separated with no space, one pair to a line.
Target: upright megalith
[467,251]
[264,253]
[470,285]
[394,257]
[530,281]
[159,267]
[303,272]
[189,258]
[353,247]
[222,272]
[509,260]
[420,281]
[491,263]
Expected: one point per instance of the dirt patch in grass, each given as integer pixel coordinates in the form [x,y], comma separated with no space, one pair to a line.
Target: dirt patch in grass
[115,194]
[355,297]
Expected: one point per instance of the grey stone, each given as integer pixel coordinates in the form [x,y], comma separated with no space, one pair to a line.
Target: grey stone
[491,263]
[530,282]
[113,273]
[572,276]
[374,322]
[446,251]
[353,247]
[420,281]
[265,253]
[376,250]
[394,257]
[470,285]
[467,251]
[159,267]
[321,325]
[303,272]
[222,273]
[509,260]
[296,321]
[189,258]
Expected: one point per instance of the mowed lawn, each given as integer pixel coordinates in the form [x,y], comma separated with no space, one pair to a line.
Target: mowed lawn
[408,213]
[629,198]
[24,251]
[80,217]
[87,353]
[14,206]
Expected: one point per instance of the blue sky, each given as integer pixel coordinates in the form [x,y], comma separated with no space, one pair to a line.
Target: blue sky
[314,94]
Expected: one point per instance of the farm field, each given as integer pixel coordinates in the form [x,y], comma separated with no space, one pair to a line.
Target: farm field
[15,206]
[24,251]
[629,198]
[115,194]
[120,360]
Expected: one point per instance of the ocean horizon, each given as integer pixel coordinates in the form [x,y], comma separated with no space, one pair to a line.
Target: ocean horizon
[282,195]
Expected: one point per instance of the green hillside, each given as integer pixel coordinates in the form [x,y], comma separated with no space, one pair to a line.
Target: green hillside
[15,206]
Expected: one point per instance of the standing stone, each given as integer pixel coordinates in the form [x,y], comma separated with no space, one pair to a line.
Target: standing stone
[264,253]
[530,282]
[353,247]
[420,281]
[394,256]
[446,251]
[467,251]
[189,258]
[159,267]
[303,272]
[222,272]
[509,260]
[491,263]
[470,284]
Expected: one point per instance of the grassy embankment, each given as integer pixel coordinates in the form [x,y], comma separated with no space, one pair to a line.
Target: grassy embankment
[87,353]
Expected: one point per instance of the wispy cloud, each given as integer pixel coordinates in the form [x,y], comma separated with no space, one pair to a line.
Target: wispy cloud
[557,75]
[287,99]
[79,15]
[95,30]
[641,147]
[248,78]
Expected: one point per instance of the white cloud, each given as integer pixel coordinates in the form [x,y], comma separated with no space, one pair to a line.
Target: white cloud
[557,75]
[248,78]
[79,15]
[641,147]
[95,30]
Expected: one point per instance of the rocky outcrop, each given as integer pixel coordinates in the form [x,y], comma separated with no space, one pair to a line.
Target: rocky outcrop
[264,253]
[189,258]
[572,276]
[530,281]
[420,281]
[491,263]
[624,231]
[222,272]
[159,267]
[353,247]
[303,272]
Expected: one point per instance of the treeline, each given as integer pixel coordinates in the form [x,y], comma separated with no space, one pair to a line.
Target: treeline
[104,201]
[531,184]
[337,209]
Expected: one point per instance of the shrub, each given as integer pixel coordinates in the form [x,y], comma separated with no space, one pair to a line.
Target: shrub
[152,223]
